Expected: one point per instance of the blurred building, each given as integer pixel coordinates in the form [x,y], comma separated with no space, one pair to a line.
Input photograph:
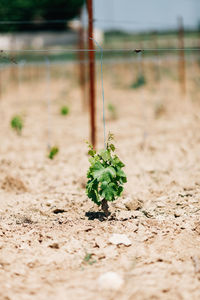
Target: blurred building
[37,40]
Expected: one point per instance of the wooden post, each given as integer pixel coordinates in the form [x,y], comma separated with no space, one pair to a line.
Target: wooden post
[82,63]
[182,76]
[91,74]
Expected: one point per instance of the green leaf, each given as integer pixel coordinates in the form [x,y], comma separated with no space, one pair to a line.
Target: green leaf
[112,147]
[91,190]
[119,190]
[111,171]
[120,172]
[91,152]
[52,152]
[117,162]
[105,154]
[101,173]
[122,180]
[108,191]
[97,169]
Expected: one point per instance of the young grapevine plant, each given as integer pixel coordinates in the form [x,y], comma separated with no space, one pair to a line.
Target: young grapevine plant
[17,124]
[105,176]
[64,110]
[52,152]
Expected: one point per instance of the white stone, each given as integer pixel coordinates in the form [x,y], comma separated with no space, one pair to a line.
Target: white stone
[118,239]
[110,281]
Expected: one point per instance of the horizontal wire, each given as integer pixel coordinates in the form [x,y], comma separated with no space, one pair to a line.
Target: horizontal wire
[128,22]
[106,61]
[94,20]
[97,50]
[63,20]
[33,22]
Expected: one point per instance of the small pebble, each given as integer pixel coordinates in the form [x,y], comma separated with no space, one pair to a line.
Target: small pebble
[118,239]
[110,281]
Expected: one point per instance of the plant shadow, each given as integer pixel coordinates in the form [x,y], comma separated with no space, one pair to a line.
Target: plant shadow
[99,215]
[96,215]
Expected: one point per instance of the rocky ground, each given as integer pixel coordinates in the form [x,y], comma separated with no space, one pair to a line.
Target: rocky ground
[52,244]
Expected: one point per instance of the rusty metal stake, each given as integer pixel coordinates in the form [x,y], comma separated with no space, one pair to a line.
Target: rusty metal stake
[92,101]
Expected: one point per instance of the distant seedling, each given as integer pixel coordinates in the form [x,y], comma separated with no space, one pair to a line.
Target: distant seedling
[140,81]
[88,259]
[17,124]
[64,110]
[112,111]
[105,176]
[52,152]
[159,110]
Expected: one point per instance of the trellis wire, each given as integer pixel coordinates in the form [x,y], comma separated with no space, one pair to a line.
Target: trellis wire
[48,99]
[139,58]
[96,20]
[33,22]
[103,99]
[104,50]
[141,73]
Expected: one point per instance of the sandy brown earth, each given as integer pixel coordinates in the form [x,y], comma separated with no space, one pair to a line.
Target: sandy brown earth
[49,249]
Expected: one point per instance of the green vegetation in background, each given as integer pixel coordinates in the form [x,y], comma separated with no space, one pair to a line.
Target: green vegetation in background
[37,10]
[140,81]
[52,152]
[17,124]
[120,36]
[64,110]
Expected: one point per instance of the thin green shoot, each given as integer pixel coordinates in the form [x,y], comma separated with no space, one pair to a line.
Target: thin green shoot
[52,152]
[64,110]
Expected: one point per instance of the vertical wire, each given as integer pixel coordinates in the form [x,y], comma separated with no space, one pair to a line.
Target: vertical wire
[48,98]
[102,87]
[139,58]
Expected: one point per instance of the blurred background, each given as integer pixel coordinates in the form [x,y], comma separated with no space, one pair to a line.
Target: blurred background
[44,47]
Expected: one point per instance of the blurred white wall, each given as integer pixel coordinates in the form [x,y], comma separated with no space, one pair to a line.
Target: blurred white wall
[37,40]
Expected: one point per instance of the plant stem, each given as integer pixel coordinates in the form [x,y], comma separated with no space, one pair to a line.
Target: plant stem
[105,207]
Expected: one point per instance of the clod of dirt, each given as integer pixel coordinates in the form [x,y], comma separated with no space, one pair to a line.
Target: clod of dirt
[133,204]
[147,214]
[177,213]
[197,228]
[118,239]
[24,220]
[82,182]
[54,246]
[110,281]
[58,211]
[12,184]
